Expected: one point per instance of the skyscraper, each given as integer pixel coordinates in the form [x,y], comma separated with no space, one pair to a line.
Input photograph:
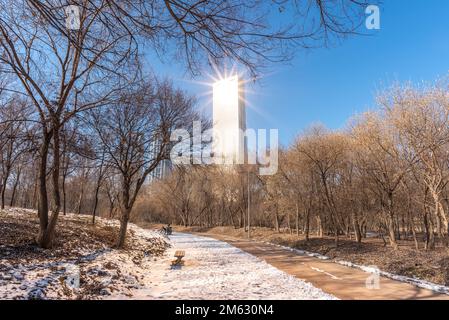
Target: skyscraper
[164,168]
[229,121]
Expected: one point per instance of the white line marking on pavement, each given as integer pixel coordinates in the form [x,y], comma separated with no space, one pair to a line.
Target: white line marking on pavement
[327,273]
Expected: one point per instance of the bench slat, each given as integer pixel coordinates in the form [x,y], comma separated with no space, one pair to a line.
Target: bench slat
[180,253]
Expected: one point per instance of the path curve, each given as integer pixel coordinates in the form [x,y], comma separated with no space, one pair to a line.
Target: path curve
[341,281]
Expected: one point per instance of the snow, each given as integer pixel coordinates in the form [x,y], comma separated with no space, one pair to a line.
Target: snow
[216,270]
[91,270]
[213,269]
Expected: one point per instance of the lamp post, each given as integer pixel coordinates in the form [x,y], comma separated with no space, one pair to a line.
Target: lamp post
[249,206]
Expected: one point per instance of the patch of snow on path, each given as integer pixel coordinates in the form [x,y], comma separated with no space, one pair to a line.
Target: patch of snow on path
[216,270]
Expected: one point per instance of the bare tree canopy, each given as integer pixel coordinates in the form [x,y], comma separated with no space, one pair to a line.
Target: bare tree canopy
[66,69]
[247,32]
[134,135]
[387,173]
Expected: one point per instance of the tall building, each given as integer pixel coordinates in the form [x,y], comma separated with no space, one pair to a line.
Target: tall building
[229,121]
[164,168]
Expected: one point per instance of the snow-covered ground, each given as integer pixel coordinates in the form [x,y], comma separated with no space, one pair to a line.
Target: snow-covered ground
[84,266]
[81,266]
[216,270]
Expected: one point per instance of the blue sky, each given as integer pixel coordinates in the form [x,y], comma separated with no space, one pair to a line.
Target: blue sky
[329,85]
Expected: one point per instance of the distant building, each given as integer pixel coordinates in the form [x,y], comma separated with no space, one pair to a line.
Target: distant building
[164,168]
[229,121]
[162,171]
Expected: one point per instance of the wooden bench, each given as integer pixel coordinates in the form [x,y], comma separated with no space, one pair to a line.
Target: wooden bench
[179,254]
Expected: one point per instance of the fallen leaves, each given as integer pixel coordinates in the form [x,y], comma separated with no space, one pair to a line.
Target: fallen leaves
[43,274]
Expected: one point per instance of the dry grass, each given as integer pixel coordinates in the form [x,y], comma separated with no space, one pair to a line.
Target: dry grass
[74,234]
[79,243]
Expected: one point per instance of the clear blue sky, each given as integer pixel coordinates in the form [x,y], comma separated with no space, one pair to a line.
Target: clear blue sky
[329,85]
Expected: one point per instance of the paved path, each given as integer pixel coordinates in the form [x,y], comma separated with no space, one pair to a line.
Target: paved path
[215,269]
[338,280]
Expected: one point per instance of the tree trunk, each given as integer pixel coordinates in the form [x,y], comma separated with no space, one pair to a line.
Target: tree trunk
[391,231]
[64,195]
[412,227]
[47,228]
[94,211]
[397,228]
[297,219]
[438,222]
[307,225]
[14,189]
[356,226]
[56,192]
[336,238]
[288,223]
[35,199]
[320,226]
[125,213]
[445,225]
[1,185]
[440,217]
[276,220]
[80,199]
[111,205]
[42,237]
[404,227]
[126,207]
[430,237]
[390,222]
[97,190]
[242,220]
[5,181]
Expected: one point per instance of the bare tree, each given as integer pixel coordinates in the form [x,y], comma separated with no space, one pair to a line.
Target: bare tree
[386,174]
[421,119]
[135,135]
[63,74]
[67,71]
[15,141]
[211,31]
[101,172]
[326,152]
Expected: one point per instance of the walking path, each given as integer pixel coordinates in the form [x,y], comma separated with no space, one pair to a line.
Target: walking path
[214,269]
[333,278]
